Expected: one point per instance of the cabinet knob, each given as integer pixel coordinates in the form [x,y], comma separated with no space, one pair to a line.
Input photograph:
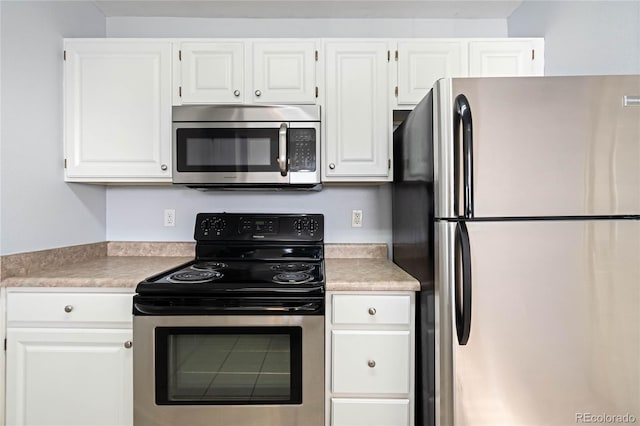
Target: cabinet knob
[258,93]
[68,308]
[332,166]
[371,363]
[372,311]
[236,93]
[163,167]
[128,344]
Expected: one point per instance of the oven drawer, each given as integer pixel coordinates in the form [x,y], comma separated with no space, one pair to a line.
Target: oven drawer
[54,308]
[367,412]
[371,362]
[373,309]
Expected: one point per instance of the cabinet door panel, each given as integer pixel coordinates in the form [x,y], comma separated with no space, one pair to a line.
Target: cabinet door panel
[371,310]
[368,412]
[212,72]
[371,362]
[358,127]
[420,64]
[284,72]
[505,58]
[118,110]
[69,377]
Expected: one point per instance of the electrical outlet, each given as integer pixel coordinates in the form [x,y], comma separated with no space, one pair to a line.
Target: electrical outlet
[356,218]
[169,217]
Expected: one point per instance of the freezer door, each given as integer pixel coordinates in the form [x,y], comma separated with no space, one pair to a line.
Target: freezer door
[541,146]
[555,326]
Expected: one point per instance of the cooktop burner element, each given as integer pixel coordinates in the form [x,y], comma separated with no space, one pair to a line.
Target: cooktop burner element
[208,266]
[292,278]
[194,277]
[247,256]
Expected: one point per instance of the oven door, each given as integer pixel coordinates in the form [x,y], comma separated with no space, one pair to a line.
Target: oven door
[229,370]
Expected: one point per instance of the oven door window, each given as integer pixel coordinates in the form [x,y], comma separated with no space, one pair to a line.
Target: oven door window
[227,149]
[228,365]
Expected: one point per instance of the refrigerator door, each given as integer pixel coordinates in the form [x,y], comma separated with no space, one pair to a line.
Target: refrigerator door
[555,324]
[540,146]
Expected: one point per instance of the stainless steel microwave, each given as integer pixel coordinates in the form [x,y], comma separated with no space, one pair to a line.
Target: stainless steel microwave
[246,146]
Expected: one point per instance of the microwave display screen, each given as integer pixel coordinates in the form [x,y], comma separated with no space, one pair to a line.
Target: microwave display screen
[227,150]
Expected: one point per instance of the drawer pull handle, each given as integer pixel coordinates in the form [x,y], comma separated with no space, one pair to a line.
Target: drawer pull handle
[68,308]
[371,363]
[128,344]
[372,311]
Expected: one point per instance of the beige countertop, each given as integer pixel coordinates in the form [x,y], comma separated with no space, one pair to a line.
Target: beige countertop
[106,271]
[347,268]
[367,275]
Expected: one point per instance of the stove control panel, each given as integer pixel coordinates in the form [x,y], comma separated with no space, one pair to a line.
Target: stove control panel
[259,227]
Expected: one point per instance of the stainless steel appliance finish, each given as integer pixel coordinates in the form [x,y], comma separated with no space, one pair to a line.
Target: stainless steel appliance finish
[236,336]
[309,412]
[516,204]
[236,147]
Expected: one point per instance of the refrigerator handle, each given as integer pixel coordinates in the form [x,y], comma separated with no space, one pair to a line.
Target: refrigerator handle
[463,301]
[463,115]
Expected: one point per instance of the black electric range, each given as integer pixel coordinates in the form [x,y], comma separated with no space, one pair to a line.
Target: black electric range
[271,260]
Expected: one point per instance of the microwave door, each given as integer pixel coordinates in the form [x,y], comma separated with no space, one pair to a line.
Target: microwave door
[229,153]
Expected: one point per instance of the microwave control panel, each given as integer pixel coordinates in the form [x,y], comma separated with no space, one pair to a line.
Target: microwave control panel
[302,150]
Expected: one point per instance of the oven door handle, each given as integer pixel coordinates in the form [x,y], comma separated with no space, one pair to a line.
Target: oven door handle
[141,308]
[282,149]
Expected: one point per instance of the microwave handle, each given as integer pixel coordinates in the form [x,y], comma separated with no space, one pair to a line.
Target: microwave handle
[282,150]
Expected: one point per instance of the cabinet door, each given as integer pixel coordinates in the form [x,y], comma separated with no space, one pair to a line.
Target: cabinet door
[69,377]
[368,412]
[117,98]
[212,72]
[421,63]
[506,58]
[284,72]
[357,114]
[370,362]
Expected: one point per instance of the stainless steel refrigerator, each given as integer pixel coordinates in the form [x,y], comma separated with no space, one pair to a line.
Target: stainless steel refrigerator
[516,203]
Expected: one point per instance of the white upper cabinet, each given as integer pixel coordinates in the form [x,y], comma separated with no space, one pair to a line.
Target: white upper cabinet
[421,63]
[506,58]
[212,72]
[117,110]
[248,71]
[357,117]
[284,72]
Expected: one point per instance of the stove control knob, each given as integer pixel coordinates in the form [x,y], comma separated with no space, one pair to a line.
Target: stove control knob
[205,225]
[218,225]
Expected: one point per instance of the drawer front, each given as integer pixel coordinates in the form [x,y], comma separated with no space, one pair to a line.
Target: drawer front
[370,362]
[368,412]
[375,309]
[68,308]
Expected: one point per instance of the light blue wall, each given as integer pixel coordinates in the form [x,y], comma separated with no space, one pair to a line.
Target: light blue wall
[137,213]
[39,210]
[209,27]
[583,37]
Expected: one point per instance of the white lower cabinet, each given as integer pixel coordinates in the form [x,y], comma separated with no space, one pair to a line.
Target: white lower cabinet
[65,366]
[370,412]
[370,359]
[3,335]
